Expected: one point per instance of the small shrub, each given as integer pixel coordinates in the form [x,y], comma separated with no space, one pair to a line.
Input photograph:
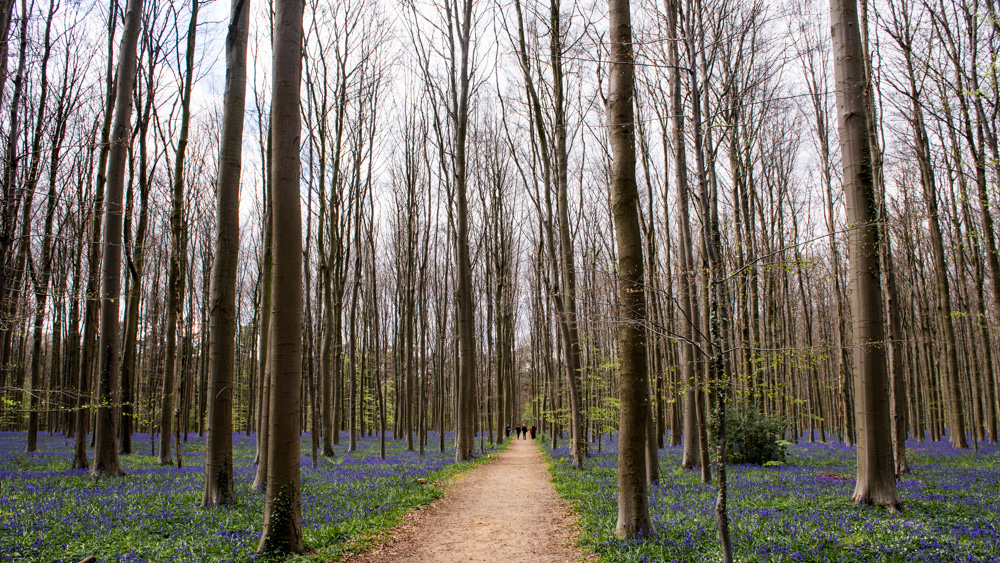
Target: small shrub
[751,437]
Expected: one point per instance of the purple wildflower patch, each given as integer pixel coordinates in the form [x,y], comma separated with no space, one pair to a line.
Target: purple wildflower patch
[800,511]
[49,513]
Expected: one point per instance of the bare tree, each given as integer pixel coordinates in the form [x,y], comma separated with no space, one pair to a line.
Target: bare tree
[633,388]
[222,332]
[283,502]
[458,23]
[876,476]
[41,279]
[170,406]
[105,448]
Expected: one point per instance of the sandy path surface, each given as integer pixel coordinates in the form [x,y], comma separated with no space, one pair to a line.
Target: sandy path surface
[505,511]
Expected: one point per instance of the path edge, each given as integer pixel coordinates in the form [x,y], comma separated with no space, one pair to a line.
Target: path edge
[374,535]
[586,555]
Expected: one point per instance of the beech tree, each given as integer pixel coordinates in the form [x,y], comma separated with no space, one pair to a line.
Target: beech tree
[105,449]
[173,373]
[219,450]
[633,503]
[283,501]
[451,131]
[40,278]
[876,477]
[460,252]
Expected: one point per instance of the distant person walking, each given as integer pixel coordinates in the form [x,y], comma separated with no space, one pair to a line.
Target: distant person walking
[507,432]
[518,432]
[532,432]
[524,430]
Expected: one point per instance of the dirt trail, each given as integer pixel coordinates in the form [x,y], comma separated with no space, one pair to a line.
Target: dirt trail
[505,511]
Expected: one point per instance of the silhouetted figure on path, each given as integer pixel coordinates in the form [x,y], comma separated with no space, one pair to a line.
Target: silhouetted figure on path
[532,432]
[518,432]
[506,432]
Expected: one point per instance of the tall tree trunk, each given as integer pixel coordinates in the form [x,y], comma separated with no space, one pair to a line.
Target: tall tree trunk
[876,476]
[105,448]
[688,305]
[91,310]
[890,296]
[171,401]
[929,185]
[715,288]
[326,361]
[633,388]
[568,268]
[218,488]
[41,279]
[283,501]
[263,366]
[352,440]
[135,264]
[465,384]
[11,195]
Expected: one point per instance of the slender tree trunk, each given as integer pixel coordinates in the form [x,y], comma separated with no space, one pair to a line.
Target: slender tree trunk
[11,195]
[929,185]
[714,288]
[218,488]
[92,309]
[326,363]
[41,279]
[171,400]
[688,306]
[465,384]
[135,265]
[567,266]
[263,366]
[105,448]
[633,504]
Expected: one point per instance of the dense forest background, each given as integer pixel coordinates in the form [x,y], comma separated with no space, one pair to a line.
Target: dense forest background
[458,250]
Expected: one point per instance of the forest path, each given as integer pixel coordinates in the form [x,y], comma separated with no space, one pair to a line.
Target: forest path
[505,511]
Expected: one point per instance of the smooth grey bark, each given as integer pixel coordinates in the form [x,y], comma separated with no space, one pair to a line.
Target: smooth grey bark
[633,391]
[283,499]
[218,488]
[876,476]
[170,405]
[41,279]
[135,264]
[92,307]
[567,267]
[688,303]
[465,384]
[105,446]
[263,336]
[890,298]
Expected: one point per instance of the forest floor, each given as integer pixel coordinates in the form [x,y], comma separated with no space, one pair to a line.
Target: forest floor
[504,511]
[799,510]
[52,514]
